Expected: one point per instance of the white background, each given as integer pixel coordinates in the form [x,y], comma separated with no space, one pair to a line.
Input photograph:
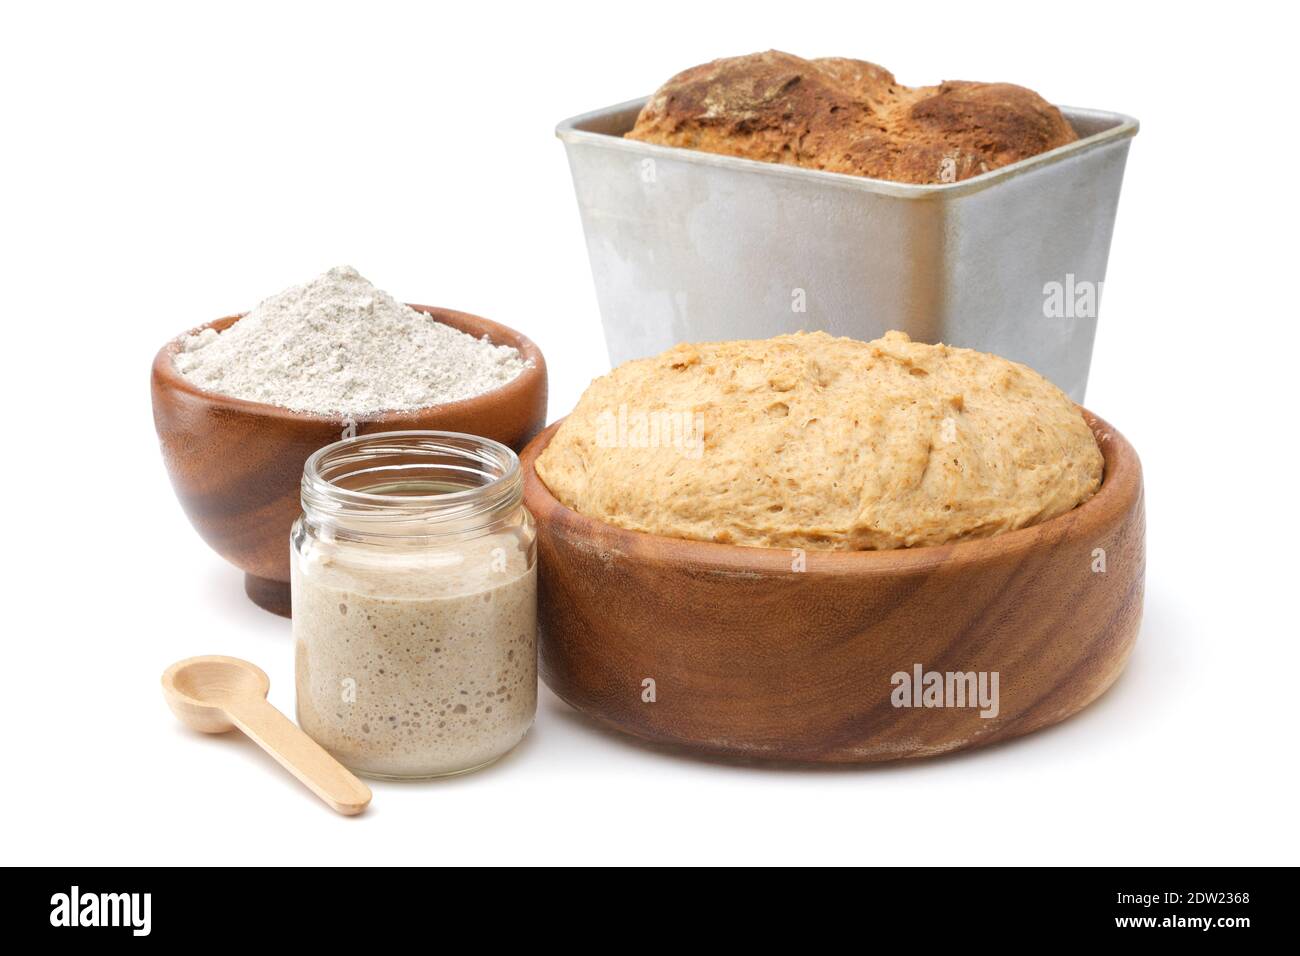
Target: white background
[163,166]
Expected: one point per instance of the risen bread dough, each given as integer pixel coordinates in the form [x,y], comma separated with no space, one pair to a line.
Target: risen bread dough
[812,441]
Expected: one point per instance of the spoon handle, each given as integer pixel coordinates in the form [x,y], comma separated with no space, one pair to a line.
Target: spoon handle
[300,755]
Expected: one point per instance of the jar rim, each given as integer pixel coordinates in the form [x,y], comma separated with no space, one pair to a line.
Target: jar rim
[495,462]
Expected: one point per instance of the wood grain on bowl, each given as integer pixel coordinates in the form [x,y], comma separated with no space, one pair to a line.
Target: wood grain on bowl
[784,655]
[236,466]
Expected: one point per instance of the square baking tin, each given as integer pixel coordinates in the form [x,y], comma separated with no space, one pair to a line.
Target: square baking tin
[693,246]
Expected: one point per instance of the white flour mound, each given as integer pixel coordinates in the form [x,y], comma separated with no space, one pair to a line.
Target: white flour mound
[339,346]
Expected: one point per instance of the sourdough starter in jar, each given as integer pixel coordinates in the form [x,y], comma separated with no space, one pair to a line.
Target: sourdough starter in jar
[416,657]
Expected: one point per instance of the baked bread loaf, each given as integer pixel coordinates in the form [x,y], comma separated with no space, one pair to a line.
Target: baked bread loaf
[849,116]
[811,441]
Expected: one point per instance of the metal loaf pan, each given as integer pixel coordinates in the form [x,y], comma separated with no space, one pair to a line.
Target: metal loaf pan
[693,246]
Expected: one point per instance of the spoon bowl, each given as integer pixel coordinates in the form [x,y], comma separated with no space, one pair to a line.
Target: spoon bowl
[198,689]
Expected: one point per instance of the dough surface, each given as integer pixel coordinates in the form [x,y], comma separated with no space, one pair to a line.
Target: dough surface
[812,441]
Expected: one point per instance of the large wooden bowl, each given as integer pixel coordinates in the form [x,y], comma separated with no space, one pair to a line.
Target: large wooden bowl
[236,465]
[750,657]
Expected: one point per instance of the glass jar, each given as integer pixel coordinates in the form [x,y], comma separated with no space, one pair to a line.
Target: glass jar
[414,587]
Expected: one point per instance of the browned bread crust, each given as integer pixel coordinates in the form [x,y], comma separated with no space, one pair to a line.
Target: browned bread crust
[849,116]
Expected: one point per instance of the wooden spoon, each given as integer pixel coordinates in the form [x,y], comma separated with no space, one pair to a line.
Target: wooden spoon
[215,694]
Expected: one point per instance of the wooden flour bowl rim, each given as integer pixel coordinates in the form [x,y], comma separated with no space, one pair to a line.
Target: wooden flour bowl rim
[515,390]
[1120,490]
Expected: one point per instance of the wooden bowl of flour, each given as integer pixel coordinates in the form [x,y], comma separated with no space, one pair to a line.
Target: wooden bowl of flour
[831,656]
[237,465]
